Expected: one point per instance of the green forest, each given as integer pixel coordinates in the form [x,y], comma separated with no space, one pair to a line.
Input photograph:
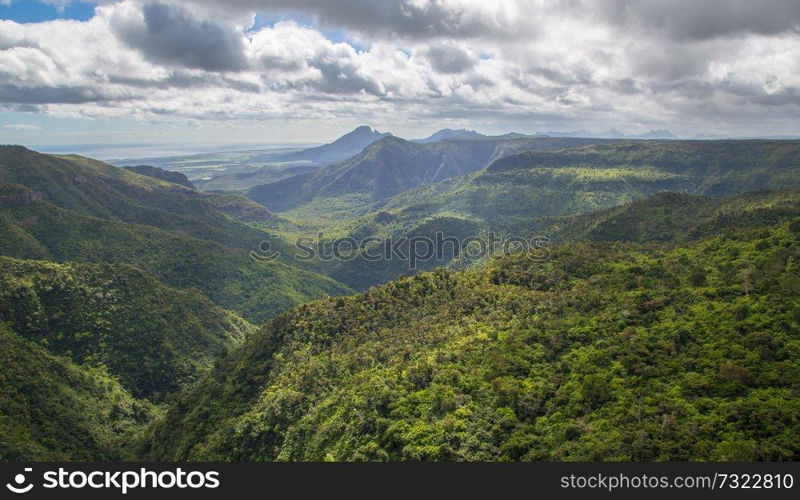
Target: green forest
[608,351]
[660,323]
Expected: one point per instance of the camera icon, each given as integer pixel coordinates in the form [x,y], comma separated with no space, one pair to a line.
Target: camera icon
[19,481]
[265,251]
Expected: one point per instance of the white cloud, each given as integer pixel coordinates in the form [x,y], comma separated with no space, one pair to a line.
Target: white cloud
[22,126]
[529,63]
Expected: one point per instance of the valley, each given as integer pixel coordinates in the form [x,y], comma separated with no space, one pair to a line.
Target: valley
[660,319]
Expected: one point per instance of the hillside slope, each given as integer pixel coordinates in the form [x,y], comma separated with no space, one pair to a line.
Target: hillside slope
[53,410]
[674,217]
[164,175]
[154,338]
[93,188]
[605,351]
[663,217]
[76,209]
[228,276]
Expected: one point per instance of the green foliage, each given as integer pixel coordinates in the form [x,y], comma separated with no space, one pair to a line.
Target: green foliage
[362,272]
[52,409]
[678,217]
[164,175]
[92,188]
[154,338]
[240,208]
[82,210]
[664,217]
[228,276]
[620,190]
[607,351]
[659,329]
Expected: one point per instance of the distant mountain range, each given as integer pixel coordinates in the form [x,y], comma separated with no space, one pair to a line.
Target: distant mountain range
[529,193]
[653,134]
[583,179]
[662,134]
[237,171]
[389,167]
[448,133]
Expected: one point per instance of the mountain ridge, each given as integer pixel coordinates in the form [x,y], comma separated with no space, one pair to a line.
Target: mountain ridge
[342,148]
[390,167]
[164,175]
[449,133]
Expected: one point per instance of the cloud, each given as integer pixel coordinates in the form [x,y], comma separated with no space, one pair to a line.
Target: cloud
[448,59]
[22,126]
[292,57]
[418,19]
[169,34]
[56,94]
[700,20]
[527,64]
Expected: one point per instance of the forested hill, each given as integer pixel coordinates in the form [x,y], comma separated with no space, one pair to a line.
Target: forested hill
[663,328]
[518,187]
[87,350]
[116,291]
[673,217]
[605,351]
[164,175]
[664,218]
[154,338]
[76,209]
[52,409]
[389,167]
[92,188]
[125,302]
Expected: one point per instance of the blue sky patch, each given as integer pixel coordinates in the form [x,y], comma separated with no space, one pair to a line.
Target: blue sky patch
[33,11]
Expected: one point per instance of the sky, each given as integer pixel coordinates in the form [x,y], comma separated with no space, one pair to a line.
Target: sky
[245,72]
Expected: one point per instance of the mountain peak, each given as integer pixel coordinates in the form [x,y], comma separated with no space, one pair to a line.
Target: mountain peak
[613,134]
[342,148]
[449,133]
[389,138]
[9,149]
[359,137]
[657,134]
